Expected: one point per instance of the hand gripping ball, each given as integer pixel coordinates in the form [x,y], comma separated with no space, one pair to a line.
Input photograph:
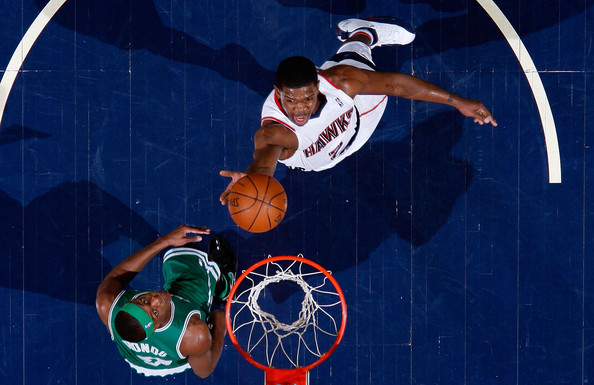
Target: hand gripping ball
[257,203]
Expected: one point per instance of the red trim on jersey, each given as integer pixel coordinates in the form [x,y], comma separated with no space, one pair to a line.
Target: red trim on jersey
[376,106]
[276,121]
[282,110]
[329,82]
[279,105]
[366,112]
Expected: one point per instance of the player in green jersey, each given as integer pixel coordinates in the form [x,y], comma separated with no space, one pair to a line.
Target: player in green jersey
[169,331]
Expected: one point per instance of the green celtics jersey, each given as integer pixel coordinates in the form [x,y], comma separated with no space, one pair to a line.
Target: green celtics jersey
[190,279]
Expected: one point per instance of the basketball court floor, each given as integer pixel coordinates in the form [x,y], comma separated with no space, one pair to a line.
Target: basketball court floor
[464,251]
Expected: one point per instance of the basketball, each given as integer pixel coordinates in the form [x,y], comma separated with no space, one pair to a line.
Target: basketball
[257,203]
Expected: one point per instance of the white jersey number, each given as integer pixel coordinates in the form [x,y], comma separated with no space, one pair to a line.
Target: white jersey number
[154,361]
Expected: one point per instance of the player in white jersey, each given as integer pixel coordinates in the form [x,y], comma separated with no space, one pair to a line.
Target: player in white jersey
[316,117]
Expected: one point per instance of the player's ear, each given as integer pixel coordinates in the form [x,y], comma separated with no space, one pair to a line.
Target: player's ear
[277,92]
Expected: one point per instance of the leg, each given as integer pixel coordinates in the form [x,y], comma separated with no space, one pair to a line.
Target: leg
[360,36]
[355,51]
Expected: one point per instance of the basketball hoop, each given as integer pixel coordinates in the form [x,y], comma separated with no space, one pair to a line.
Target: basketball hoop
[285,348]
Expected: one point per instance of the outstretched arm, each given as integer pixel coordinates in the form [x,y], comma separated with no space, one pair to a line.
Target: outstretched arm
[355,81]
[203,343]
[272,142]
[125,271]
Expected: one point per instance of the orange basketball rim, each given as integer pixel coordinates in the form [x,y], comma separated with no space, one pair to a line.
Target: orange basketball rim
[302,332]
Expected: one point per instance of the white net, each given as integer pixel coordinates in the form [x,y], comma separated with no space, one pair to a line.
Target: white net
[286,314]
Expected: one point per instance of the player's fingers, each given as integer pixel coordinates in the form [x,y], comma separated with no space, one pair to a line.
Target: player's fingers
[235,176]
[225,193]
[195,238]
[223,197]
[199,229]
[483,115]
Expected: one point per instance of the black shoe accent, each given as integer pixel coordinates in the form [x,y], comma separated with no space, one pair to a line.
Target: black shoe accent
[223,288]
[221,252]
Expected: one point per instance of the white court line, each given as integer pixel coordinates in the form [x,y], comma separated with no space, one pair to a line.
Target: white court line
[22,50]
[542,102]
[512,37]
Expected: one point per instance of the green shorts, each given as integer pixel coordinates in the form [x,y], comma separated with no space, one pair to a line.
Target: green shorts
[189,274]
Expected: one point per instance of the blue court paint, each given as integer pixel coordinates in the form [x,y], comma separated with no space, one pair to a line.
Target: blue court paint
[540,95]
[20,53]
[460,263]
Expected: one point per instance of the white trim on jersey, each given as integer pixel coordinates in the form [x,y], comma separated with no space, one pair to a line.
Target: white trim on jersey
[181,335]
[211,267]
[166,326]
[159,372]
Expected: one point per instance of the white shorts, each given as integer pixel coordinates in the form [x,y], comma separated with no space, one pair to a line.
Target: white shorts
[370,107]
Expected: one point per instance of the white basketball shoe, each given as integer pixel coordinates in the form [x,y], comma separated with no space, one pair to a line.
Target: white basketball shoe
[384,30]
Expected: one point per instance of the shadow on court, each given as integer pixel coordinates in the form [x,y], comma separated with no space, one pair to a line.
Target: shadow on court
[15,133]
[465,30]
[336,7]
[136,25]
[54,244]
[390,199]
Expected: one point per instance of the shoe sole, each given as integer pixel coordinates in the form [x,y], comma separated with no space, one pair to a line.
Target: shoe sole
[343,35]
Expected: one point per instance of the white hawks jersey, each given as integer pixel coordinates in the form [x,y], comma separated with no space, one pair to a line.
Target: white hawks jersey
[323,140]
